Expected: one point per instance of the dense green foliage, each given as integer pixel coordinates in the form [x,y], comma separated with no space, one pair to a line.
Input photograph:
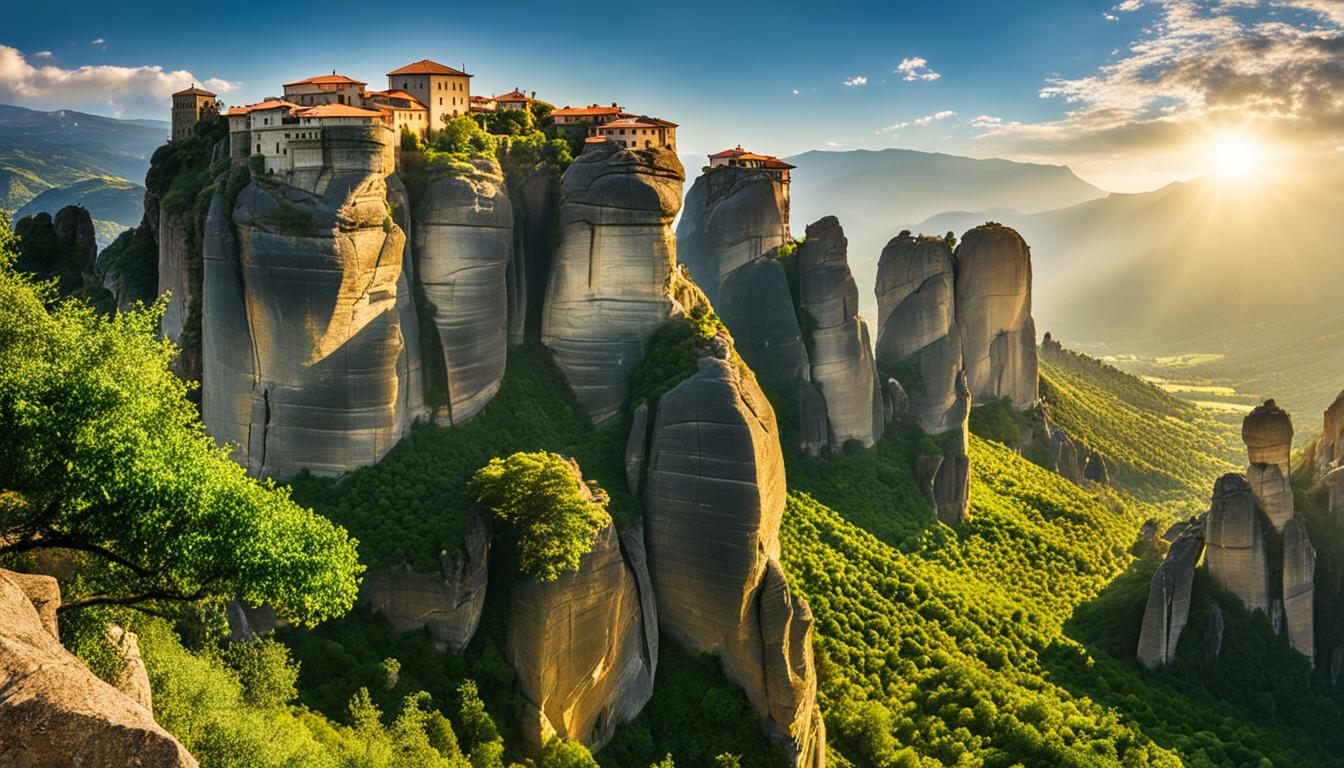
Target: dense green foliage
[671,354]
[133,261]
[413,504]
[45,256]
[1165,451]
[551,512]
[104,456]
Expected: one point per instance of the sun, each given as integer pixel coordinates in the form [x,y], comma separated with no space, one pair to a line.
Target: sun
[1234,157]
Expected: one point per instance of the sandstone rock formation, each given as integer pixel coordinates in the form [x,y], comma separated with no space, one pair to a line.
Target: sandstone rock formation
[179,262]
[132,679]
[1330,448]
[584,646]
[1168,606]
[306,359]
[463,238]
[993,312]
[637,448]
[713,501]
[55,712]
[614,278]
[842,357]
[1299,589]
[44,594]
[917,328]
[1074,461]
[952,483]
[814,426]
[1273,492]
[895,402]
[1235,544]
[448,604]
[1268,434]
[730,228]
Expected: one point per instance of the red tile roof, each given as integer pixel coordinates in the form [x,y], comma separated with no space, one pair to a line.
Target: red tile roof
[271,104]
[395,94]
[427,67]
[514,95]
[332,79]
[338,110]
[592,110]
[637,121]
[235,111]
[194,91]
[738,153]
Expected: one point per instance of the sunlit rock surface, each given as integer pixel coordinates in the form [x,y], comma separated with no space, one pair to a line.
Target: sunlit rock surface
[842,357]
[1299,589]
[463,238]
[306,363]
[1268,433]
[993,311]
[55,712]
[1330,448]
[1235,544]
[614,278]
[448,604]
[713,501]
[584,647]
[1168,607]
[730,227]
[952,483]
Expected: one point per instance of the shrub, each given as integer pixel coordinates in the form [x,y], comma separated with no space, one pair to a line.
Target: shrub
[265,671]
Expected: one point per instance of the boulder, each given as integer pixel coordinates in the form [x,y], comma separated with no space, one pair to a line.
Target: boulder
[1268,433]
[614,278]
[1299,588]
[449,603]
[463,240]
[583,647]
[132,679]
[55,712]
[1235,544]
[45,595]
[307,365]
[714,498]
[636,448]
[842,358]
[1330,448]
[952,483]
[993,311]
[730,228]
[1168,606]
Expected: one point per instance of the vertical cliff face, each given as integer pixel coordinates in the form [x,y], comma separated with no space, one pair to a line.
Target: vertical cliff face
[917,326]
[842,357]
[1168,607]
[463,238]
[952,483]
[314,286]
[585,646]
[993,311]
[178,255]
[730,228]
[1330,448]
[713,502]
[614,278]
[1299,588]
[1235,543]
[1268,434]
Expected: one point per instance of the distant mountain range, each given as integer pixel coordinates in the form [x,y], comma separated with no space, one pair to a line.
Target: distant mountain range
[876,194]
[52,159]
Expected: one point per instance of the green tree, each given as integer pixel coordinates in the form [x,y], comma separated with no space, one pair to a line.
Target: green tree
[559,753]
[542,498]
[104,457]
[265,671]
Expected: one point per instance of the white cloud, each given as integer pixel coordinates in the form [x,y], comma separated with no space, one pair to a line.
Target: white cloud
[795,91]
[98,41]
[856,80]
[916,68]
[44,55]
[834,144]
[1129,6]
[102,88]
[1110,17]
[930,119]
[895,128]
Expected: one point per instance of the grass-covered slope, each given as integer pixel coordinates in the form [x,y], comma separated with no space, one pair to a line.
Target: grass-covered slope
[1163,450]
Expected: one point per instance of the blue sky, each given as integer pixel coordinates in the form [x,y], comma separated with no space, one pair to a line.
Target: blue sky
[770,77]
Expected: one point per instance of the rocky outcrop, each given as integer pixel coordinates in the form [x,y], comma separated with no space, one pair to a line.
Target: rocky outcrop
[1299,590]
[463,238]
[917,329]
[55,712]
[132,678]
[1330,448]
[842,358]
[732,223]
[714,497]
[895,402]
[637,448]
[1268,434]
[814,426]
[993,312]
[1272,492]
[1074,461]
[535,209]
[179,262]
[1235,544]
[43,593]
[952,483]
[308,363]
[584,646]
[447,604]
[614,278]
[1168,607]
